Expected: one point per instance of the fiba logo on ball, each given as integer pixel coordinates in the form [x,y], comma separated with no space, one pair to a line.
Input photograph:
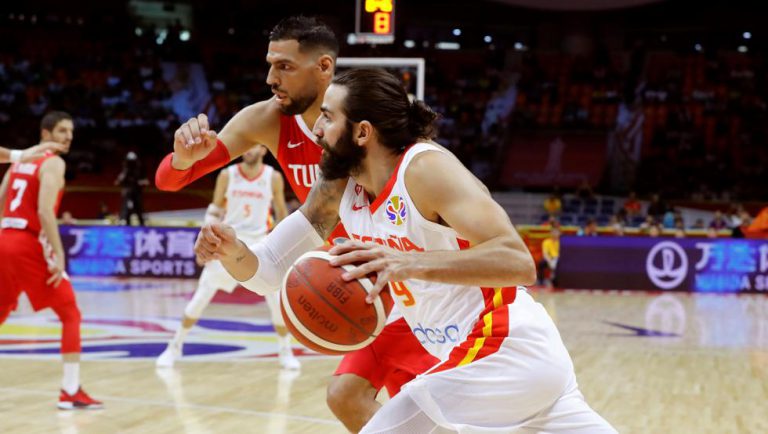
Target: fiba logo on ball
[396,210]
[667,265]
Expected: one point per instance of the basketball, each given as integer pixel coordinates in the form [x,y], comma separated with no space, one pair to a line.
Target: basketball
[327,314]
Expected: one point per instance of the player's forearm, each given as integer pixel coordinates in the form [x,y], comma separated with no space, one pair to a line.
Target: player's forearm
[5,155]
[264,266]
[173,177]
[497,262]
[51,230]
[243,265]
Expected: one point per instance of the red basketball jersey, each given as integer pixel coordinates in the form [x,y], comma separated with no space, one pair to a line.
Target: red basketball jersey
[298,155]
[20,210]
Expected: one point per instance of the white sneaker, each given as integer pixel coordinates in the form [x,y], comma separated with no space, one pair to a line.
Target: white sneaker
[288,360]
[168,357]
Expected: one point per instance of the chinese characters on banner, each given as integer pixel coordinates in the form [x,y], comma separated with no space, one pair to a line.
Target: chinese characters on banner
[691,264]
[130,251]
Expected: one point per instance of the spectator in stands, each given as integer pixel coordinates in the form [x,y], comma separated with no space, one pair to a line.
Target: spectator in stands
[698,224]
[679,223]
[632,206]
[649,221]
[668,221]
[551,222]
[626,144]
[738,220]
[657,208]
[621,217]
[585,191]
[132,180]
[679,233]
[550,249]
[618,229]
[711,232]
[654,231]
[589,229]
[67,218]
[553,205]
[718,222]
[103,211]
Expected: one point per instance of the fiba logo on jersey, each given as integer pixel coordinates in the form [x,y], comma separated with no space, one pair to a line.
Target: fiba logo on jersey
[396,210]
[667,265]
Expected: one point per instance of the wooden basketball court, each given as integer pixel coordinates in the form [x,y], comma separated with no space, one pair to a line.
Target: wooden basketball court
[648,362]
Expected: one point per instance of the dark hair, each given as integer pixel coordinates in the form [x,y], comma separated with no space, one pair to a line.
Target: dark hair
[309,32]
[376,96]
[50,120]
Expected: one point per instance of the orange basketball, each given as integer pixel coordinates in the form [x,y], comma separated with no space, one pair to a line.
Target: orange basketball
[327,314]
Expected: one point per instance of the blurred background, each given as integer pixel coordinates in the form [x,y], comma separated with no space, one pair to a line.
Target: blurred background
[624,117]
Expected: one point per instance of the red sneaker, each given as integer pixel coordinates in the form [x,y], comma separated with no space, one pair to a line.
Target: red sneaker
[80,400]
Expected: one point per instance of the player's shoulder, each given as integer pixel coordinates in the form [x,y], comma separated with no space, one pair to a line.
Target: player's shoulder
[276,175]
[53,162]
[265,111]
[431,162]
[224,173]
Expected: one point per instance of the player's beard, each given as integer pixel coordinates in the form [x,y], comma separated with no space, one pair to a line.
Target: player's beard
[299,104]
[344,159]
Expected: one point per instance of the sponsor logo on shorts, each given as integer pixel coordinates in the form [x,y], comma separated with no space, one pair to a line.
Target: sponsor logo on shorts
[437,335]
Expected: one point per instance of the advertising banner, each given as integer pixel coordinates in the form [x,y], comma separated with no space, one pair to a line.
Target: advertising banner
[130,251]
[685,264]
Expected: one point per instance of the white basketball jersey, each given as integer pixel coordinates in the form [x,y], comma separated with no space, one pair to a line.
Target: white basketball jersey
[441,315]
[249,201]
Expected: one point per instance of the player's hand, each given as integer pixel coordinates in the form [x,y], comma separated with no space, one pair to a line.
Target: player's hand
[216,241]
[192,142]
[388,264]
[38,151]
[57,271]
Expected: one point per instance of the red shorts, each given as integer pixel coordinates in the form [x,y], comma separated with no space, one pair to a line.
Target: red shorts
[393,359]
[23,268]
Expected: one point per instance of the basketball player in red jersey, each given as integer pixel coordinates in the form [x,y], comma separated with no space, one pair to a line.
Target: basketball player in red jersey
[33,256]
[302,55]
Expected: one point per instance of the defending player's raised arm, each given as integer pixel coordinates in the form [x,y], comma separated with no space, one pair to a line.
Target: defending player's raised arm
[278,197]
[199,150]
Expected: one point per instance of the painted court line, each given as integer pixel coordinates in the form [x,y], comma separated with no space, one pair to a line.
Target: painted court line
[263,414]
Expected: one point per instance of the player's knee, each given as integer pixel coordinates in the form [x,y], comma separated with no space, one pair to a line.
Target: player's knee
[69,313]
[340,396]
[193,310]
[199,302]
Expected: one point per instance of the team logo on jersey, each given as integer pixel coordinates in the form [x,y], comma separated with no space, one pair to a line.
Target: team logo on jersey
[396,210]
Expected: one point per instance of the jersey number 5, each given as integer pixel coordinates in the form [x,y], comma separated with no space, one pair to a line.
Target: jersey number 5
[19,185]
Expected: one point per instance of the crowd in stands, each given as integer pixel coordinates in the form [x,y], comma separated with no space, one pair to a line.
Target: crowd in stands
[127,93]
[590,212]
[705,111]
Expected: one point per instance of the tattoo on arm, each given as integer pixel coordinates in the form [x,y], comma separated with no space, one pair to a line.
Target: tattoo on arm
[243,254]
[322,205]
